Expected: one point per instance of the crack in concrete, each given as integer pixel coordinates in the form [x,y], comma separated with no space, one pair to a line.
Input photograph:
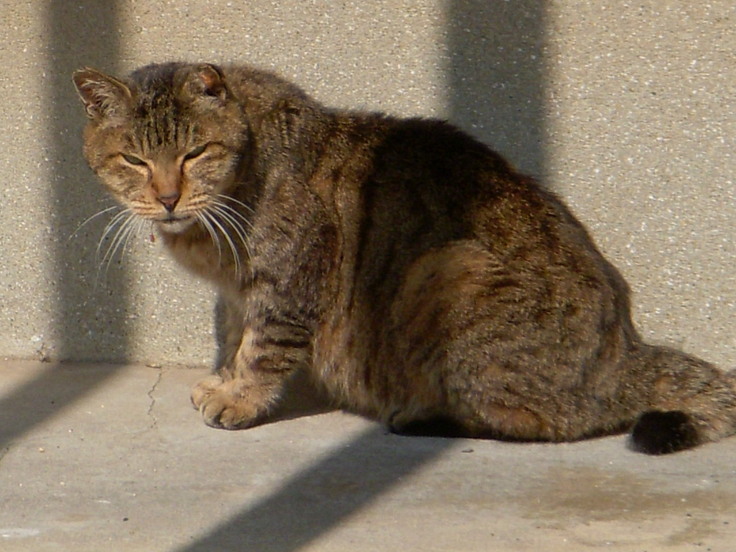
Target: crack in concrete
[152,404]
[4,452]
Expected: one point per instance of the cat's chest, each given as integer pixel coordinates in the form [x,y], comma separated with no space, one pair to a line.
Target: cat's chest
[206,258]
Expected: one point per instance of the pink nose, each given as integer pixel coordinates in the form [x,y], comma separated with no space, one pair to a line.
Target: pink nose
[169,201]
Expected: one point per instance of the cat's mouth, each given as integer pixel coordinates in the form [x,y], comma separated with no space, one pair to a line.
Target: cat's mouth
[175,224]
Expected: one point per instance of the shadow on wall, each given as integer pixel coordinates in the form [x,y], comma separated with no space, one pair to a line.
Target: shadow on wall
[84,32]
[496,76]
[91,303]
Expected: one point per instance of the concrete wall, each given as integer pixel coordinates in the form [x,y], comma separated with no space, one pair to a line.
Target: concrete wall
[625,109]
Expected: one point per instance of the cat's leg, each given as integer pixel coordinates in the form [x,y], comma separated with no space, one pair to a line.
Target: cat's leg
[229,327]
[242,392]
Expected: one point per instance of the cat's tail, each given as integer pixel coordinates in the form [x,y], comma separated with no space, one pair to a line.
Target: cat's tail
[690,402]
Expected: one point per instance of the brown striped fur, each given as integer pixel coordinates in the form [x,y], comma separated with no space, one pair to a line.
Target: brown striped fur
[407,267]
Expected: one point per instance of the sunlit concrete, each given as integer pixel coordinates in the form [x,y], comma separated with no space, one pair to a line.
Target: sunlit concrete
[115,458]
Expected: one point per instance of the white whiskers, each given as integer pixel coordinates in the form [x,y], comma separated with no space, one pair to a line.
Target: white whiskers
[118,232]
[226,226]
[221,219]
[90,219]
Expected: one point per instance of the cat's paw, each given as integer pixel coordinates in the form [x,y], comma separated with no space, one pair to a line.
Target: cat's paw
[225,404]
[203,388]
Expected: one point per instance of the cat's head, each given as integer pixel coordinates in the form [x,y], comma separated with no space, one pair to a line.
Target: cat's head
[168,142]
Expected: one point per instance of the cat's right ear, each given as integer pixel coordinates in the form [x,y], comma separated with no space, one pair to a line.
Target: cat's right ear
[103,96]
[204,82]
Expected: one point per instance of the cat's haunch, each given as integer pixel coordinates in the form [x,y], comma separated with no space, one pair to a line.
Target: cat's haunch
[405,266]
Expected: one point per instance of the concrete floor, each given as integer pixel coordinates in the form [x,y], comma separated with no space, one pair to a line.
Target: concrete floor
[113,457]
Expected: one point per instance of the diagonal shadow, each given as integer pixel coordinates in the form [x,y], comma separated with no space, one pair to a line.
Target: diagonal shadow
[496,82]
[78,33]
[40,399]
[324,495]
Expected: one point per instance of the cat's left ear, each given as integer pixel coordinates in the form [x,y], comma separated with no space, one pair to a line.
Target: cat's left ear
[206,81]
[103,96]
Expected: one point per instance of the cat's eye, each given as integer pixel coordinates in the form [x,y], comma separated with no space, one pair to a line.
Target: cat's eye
[196,152]
[133,160]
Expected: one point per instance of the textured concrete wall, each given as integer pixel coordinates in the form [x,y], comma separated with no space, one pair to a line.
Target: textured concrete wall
[625,110]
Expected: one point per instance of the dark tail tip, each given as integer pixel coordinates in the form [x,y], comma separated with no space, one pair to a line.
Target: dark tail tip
[439,426]
[664,432]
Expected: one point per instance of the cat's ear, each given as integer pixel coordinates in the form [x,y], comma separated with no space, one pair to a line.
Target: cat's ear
[205,81]
[103,96]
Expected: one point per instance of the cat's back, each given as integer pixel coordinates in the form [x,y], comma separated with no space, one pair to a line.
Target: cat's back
[424,182]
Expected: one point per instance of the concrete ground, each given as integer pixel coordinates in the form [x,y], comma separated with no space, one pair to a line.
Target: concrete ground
[96,457]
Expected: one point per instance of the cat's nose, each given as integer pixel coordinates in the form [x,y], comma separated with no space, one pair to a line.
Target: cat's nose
[169,201]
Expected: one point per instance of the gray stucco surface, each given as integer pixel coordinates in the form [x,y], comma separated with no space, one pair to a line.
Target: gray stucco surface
[626,111]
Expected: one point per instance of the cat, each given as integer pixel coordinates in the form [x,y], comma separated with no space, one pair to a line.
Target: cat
[413,273]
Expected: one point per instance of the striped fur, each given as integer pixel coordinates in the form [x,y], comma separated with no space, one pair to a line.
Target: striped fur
[407,267]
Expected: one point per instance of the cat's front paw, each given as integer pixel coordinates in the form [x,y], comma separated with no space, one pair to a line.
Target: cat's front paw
[225,404]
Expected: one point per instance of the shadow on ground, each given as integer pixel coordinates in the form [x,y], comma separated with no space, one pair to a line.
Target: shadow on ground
[83,32]
[318,499]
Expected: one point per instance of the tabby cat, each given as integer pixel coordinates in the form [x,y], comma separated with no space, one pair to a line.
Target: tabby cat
[416,276]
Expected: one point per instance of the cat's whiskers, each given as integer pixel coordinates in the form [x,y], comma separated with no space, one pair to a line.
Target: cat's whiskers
[248,208]
[204,220]
[236,220]
[223,222]
[119,230]
[122,217]
[212,218]
[219,201]
[138,226]
[91,218]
